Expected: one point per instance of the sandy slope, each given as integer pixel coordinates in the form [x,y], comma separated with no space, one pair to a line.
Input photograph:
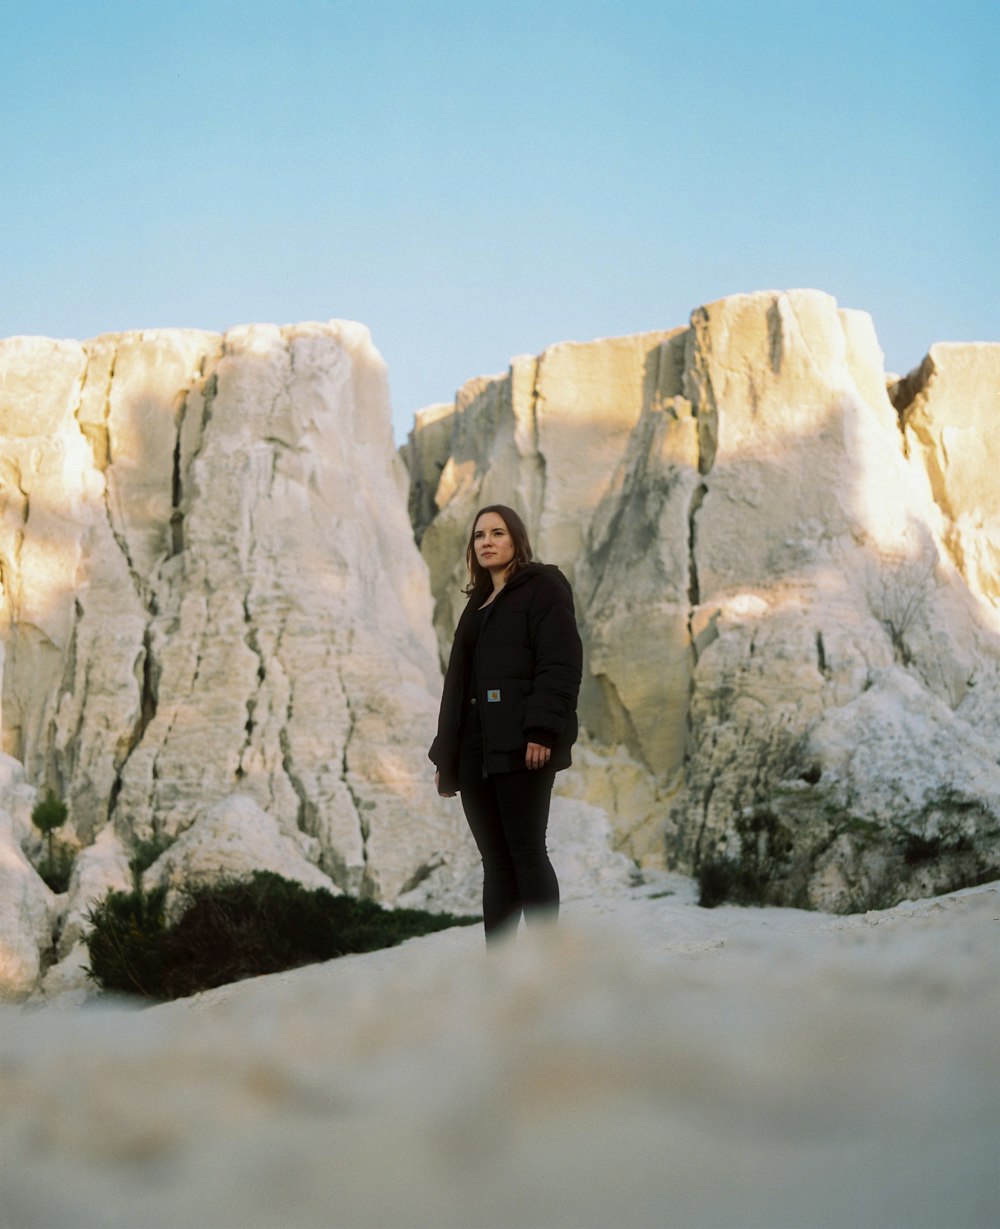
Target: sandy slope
[648,1063]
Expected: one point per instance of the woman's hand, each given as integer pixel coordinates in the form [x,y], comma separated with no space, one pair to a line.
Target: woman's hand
[437,786]
[536,755]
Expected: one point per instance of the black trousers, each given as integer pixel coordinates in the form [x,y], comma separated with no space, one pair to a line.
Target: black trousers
[508,813]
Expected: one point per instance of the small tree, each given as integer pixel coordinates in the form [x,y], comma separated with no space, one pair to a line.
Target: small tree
[48,815]
[898,594]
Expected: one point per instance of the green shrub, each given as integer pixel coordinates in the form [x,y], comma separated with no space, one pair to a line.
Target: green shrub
[144,854]
[126,942]
[57,868]
[48,815]
[235,929]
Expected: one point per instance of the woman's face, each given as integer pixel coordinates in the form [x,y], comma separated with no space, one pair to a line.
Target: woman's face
[492,541]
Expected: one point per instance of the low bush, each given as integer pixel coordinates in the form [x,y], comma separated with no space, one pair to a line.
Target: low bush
[57,868]
[126,942]
[235,929]
[146,852]
[48,815]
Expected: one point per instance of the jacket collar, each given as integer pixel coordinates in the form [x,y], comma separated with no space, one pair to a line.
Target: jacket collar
[520,577]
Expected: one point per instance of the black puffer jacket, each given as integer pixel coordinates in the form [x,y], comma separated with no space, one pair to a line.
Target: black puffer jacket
[529,662]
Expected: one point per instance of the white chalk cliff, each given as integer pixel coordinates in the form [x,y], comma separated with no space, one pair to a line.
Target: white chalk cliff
[216,628]
[210,588]
[789,586]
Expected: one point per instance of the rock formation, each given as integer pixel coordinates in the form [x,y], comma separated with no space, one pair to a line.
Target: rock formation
[789,592]
[210,588]
[217,635]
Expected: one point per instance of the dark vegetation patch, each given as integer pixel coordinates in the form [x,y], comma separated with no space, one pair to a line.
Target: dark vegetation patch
[146,850]
[48,815]
[235,929]
[918,848]
[757,875]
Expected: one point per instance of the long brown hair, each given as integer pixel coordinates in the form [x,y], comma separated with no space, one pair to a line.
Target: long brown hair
[479,577]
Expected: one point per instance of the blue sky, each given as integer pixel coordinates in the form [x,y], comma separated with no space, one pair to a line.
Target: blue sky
[476,180]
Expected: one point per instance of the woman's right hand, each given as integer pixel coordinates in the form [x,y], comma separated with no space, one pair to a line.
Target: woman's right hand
[437,786]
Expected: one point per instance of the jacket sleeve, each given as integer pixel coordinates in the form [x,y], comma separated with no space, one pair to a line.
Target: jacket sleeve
[443,752]
[558,660]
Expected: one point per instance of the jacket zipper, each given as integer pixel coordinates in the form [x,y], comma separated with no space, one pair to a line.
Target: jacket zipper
[479,641]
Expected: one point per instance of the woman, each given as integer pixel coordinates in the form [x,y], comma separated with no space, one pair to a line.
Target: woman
[508,713]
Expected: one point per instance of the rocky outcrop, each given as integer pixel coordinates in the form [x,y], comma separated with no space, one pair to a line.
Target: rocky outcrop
[210,588]
[217,635]
[949,408]
[781,608]
[27,907]
[216,632]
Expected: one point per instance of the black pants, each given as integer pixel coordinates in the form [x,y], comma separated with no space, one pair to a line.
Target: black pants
[508,813]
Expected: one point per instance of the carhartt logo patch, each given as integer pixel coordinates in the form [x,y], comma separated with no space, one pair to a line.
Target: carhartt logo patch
[493,697]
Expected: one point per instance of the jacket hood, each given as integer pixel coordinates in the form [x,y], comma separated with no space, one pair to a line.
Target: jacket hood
[540,569]
[531,571]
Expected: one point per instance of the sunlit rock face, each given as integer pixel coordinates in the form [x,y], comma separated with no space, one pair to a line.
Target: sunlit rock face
[216,631]
[28,909]
[210,587]
[789,614]
[950,411]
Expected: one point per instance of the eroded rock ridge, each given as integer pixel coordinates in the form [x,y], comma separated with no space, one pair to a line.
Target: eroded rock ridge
[789,587]
[210,589]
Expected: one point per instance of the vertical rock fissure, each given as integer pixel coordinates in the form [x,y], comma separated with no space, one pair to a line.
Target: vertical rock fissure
[10,593]
[306,815]
[25,510]
[148,698]
[99,441]
[19,536]
[177,484]
[252,642]
[706,802]
[306,809]
[209,391]
[119,538]
[542,467]
[96,435]
[656,399]
[138,582]
[61,768]
[364,828]
[698,383]
[175,545]
[821,661]
[694,601]
[694,589]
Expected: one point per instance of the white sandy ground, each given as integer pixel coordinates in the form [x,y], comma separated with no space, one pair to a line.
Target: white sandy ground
[645,1063]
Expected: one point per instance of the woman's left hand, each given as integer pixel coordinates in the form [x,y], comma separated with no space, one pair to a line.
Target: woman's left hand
[536,755]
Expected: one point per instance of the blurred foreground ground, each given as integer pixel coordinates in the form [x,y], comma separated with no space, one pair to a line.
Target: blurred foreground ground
[646,1063]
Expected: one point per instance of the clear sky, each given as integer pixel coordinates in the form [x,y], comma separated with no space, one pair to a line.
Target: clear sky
[475,180]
